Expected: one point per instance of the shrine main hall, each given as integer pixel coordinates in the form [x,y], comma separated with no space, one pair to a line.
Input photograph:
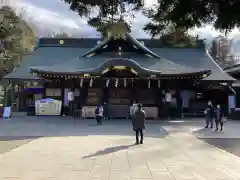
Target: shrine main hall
[119,71]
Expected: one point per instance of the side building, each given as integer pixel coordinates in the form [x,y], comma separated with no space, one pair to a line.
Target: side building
[119,71]
[234,71]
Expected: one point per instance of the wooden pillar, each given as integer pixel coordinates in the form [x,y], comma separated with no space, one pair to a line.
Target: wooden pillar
[179,103]
[133,85]
[17,98]
[21,98]
[159,101]
[105,95]
[44,89]
[62,97]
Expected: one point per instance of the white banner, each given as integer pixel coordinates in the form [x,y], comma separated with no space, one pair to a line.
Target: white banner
[231,103]
[70,96]
[7,112]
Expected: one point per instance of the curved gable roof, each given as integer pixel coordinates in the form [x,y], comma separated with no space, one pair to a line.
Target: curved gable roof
[168,60]
[144,65]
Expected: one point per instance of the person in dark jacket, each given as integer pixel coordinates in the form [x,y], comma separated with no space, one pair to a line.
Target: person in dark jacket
[210,113]
[219,117]
[105,110]
[138,122]
[99,114]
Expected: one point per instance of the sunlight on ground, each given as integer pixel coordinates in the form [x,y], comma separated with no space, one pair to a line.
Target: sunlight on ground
[176,121]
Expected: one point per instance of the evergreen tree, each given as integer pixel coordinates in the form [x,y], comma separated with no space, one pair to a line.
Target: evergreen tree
[191,13]
[12,45]
[186,14]
[108,12]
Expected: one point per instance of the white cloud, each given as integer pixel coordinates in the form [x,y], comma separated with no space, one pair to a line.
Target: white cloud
[54,16]
[53,20]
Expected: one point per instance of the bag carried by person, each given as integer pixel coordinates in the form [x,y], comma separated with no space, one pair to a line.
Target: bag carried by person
[205,112]
[224,120]
[97,111]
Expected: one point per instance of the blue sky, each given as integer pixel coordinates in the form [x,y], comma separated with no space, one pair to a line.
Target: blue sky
[56,16]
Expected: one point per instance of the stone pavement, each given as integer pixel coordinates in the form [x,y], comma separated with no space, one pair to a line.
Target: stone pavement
[76,151]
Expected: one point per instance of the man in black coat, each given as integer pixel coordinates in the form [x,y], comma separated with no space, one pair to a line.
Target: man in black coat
[138,122]
[219,117]
[210,113]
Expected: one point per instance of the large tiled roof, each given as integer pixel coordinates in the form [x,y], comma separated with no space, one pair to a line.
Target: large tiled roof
[45,56]
[52,56]
[196,58]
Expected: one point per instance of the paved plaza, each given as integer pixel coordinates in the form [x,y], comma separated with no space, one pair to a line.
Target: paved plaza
[68,149]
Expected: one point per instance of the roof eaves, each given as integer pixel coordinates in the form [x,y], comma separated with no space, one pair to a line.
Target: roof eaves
[232,69]
[220,69]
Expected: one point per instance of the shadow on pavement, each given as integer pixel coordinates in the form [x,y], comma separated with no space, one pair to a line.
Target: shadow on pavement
[202,131]
[109,150]
[10,143]
[230,145]
[16,138]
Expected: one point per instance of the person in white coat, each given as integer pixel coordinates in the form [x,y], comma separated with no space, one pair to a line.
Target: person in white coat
[168,100]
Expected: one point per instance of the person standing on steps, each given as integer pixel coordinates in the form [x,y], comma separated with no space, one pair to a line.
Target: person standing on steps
[138,122]
[219,117]
[210,113]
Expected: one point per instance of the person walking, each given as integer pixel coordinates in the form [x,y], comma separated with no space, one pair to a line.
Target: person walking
[209,115]
[219,117]
[99,114]
[168,103]
[105,110]
[138,122]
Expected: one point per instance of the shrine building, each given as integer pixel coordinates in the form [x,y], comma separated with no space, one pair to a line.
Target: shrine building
[119,71]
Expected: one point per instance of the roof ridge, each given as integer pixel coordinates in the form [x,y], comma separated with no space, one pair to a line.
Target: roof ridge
[130,38]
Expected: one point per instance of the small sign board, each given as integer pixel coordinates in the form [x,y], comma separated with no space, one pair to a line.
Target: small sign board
[48,107]
[7,112]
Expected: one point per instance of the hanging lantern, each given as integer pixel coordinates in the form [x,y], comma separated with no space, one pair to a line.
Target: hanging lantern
[91,82]
[149,84]
[81,82]
[159,83]
[125,82]
[119,51]
[107,82]
[116,83]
